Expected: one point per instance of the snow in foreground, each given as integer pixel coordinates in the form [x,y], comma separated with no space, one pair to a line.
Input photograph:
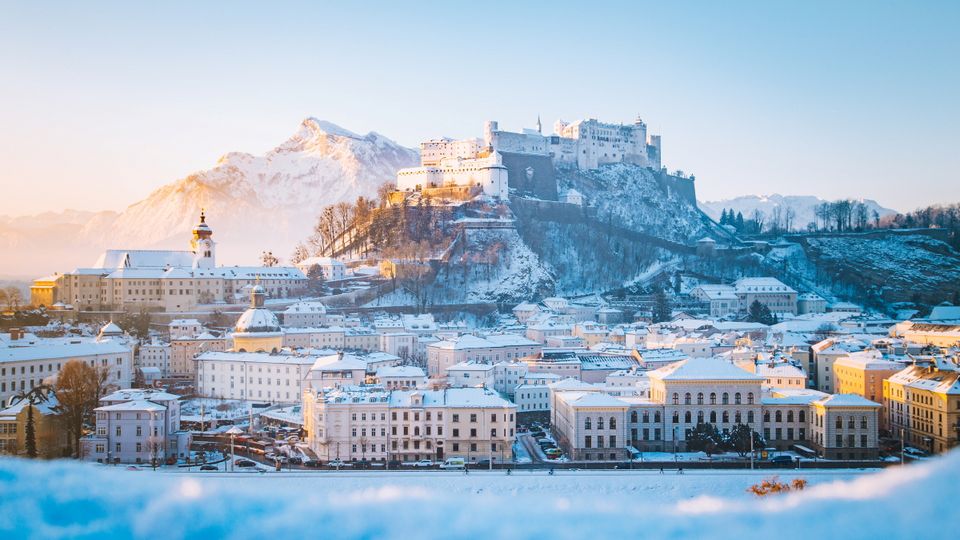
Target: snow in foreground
[43,500]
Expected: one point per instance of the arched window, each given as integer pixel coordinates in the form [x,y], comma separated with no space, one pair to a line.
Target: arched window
[789,416]
[802,415]
[587,424]
[726,417]
[700,398]
[633,417]
[656,416]
[686,417]
[416,431]
[750,398]
[839,423]
[676,417]
[766,416]
[778,416]
[613,422]
[686,398]
[736,398]
[599,422]
[726,398]
[713,417]
[749,417]
[863,422]
[737,418]
[713,398]
[699,417]
[676,398]
[851,423]
[646,417]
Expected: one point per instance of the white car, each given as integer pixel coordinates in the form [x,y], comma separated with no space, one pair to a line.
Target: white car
[424,463]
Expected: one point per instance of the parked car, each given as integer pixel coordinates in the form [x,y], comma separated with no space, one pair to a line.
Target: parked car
[394,464]
[454,463]
[782,460]
[295,460]
[338,464]
[914,452]
[424,463]
[209,468]
[311,463]
[482,464]
[553,453]
[245,463]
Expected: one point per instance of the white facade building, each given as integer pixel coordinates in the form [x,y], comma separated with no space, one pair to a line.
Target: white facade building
[136,426]
[252,376]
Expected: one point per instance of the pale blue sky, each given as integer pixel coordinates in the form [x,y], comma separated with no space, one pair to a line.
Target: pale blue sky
[100,103]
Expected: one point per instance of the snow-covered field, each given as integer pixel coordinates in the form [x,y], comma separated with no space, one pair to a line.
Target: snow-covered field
[65,499]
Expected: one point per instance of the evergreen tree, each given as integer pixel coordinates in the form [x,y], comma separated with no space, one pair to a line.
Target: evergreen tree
[705,438]
[662,311]
[739,222]
[760,313]
[315,279]
[723,217]
[30,434]
[739,439]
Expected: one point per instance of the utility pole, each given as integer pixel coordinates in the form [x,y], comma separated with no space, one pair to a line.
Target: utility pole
[901,446]
[751,449]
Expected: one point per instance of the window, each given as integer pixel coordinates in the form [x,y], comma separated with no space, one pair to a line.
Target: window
[676,417]
[687,417]
[588,442]
[599,422]
[736,398]
[802,416]
[789,416]
[613,423]
[839,440]
[686,398]
[726,398]
[587,424]
[863,423]
[700,398]
[779,416]
[749,417]
[726,417]
[473,418]
[750,398]
[839,424]
[676,398]
[713,417]
[613,441]
[633,417]
[713,398]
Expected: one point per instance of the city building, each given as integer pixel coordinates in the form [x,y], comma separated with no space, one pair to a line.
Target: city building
[922,405]
[136,426]
[376,424]
[171,281]
[50,432]
[468,347]
[27,361]
[771,292]
[253,376]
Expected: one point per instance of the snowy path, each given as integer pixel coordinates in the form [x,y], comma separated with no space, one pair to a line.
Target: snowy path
[646,485]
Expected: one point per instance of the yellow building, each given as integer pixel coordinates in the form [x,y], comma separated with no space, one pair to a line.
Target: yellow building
[923,403]
[51,434]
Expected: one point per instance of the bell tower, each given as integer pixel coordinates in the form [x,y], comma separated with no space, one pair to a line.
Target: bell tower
[202,245]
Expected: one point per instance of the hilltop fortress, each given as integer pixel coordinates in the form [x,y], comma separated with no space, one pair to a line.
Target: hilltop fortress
[525,162]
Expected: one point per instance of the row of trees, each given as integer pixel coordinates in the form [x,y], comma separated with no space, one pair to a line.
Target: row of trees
[707,438]
[845,215]
[11,297]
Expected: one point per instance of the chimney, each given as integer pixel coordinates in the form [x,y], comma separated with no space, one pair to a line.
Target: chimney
[15,334]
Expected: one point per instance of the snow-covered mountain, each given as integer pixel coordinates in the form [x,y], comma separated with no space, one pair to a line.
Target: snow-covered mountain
[803,206]
[253,203]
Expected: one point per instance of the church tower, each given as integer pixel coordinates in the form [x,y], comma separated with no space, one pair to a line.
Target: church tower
[202,244]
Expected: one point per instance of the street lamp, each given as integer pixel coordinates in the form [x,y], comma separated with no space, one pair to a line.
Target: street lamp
[233,432]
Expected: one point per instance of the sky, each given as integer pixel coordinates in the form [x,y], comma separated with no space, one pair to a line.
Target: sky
[101,102]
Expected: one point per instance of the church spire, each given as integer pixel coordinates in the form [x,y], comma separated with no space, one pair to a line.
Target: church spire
[539,125]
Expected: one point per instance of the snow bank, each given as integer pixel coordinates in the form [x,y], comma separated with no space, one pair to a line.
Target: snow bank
[66,499]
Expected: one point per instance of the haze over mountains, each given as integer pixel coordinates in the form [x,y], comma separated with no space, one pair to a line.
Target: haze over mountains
[253,203]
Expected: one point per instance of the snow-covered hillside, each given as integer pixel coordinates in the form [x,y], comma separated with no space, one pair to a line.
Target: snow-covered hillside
[803,206]
[254,203]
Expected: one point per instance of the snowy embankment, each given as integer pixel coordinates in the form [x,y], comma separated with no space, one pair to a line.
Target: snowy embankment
[64,499]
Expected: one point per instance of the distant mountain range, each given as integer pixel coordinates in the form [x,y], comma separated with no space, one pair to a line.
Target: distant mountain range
[253,203]
[803,206]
